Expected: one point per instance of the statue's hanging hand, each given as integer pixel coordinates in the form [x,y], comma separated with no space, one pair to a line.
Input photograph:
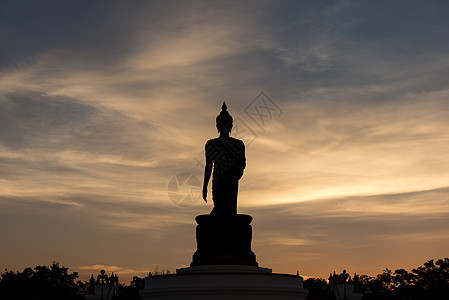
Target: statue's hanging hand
[205,193]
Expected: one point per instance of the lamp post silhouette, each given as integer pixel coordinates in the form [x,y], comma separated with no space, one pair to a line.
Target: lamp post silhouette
[102,277]
[344,276]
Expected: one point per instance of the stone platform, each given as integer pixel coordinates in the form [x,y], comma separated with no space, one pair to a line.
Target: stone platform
[224,268]
[224,241]
[224,282]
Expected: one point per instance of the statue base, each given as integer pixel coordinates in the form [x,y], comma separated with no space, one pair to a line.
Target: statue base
[224,241]
[224,268]
[224,282]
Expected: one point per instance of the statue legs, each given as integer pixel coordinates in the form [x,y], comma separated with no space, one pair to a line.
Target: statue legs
[224,195]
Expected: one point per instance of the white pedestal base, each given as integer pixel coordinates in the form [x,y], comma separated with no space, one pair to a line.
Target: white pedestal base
[224,282]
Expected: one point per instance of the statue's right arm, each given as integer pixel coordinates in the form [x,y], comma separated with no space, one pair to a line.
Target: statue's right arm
[207,172]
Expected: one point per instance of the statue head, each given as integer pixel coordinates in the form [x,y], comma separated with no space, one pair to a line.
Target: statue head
[224,120]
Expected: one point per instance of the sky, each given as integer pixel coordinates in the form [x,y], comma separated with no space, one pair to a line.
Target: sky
[106,105]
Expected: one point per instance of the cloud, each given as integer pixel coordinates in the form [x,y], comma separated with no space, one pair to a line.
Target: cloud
[314,151]
[31,120]
[116,269]
[343,232]
[96,229]
[103,103]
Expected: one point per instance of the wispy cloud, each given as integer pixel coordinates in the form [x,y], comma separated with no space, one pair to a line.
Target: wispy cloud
[116,269]
[100,106]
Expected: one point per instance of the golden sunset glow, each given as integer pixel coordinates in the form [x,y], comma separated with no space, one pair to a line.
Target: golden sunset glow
[101,105]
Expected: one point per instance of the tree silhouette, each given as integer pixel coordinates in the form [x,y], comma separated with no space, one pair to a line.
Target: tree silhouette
[433,277]
[430,281]
[43,282]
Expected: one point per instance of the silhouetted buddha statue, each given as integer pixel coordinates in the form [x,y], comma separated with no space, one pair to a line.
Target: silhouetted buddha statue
[224,237]
[226,155]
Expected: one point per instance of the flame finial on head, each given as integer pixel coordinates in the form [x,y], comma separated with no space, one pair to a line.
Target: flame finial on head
[224,119]
[224,106]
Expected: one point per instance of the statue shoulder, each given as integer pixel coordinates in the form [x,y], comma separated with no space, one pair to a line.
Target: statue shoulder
[238,142]
[210,142]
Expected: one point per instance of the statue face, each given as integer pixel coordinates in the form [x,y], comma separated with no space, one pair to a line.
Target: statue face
[225,129]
